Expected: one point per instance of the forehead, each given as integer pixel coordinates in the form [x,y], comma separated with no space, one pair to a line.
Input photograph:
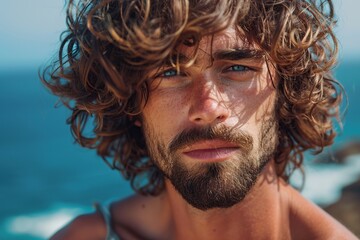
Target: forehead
[230,38]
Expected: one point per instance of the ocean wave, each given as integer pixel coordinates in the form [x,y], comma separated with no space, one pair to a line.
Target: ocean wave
[324,182]
[41,225]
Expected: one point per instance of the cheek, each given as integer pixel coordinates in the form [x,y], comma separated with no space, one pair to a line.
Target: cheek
[252,109]
[164,105]
[251,106]
[266,108]
[163,113]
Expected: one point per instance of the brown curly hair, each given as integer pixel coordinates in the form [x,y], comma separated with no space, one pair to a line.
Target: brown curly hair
[111,45]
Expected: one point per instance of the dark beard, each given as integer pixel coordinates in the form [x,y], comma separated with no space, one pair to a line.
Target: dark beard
[214,185]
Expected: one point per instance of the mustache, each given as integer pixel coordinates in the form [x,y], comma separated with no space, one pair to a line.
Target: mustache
[193,135]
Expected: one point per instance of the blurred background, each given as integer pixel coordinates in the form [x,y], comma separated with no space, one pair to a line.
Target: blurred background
[46,179]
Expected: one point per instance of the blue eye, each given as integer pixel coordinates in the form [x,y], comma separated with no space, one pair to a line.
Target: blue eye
[169,73]
[237,68]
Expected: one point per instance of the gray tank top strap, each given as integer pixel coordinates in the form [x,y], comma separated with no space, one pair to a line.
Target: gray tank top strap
[105,212]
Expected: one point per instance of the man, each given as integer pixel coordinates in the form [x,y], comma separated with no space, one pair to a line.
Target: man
[207,108]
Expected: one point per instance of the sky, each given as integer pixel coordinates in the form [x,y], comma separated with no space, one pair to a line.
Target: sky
[30,30]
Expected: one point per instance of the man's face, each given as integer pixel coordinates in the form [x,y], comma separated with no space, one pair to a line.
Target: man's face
[211,127]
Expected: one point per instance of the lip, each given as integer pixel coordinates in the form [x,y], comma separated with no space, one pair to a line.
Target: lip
[211,150]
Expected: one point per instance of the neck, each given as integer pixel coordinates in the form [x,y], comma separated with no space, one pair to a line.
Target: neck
[264,205]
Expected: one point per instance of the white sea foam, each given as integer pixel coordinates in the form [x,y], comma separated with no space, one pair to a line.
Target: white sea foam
[43,224]
[323,183]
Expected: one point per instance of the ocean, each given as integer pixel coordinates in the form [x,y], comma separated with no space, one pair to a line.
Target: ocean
[46,179]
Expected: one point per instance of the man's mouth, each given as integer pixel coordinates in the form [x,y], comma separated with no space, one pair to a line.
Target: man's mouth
[211,150]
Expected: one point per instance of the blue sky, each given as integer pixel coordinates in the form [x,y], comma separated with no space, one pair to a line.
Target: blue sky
[30,30]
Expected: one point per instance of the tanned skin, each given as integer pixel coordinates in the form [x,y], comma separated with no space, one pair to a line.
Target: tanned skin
[239,97]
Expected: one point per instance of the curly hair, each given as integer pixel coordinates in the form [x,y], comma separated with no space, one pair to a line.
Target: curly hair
[111,45]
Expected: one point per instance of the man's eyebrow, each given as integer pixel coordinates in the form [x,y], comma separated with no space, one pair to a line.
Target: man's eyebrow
[238,54]
[228,54]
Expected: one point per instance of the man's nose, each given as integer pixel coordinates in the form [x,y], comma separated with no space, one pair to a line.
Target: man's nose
[208,104]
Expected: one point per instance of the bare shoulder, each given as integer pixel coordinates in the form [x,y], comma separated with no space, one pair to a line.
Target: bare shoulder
[308,221]
[87,226]
[135,216]
[131,218]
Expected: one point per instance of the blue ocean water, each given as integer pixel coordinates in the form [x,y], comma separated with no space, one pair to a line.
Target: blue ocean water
[46,179]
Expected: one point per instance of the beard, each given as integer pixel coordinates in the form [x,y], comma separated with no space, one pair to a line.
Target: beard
[214,185]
